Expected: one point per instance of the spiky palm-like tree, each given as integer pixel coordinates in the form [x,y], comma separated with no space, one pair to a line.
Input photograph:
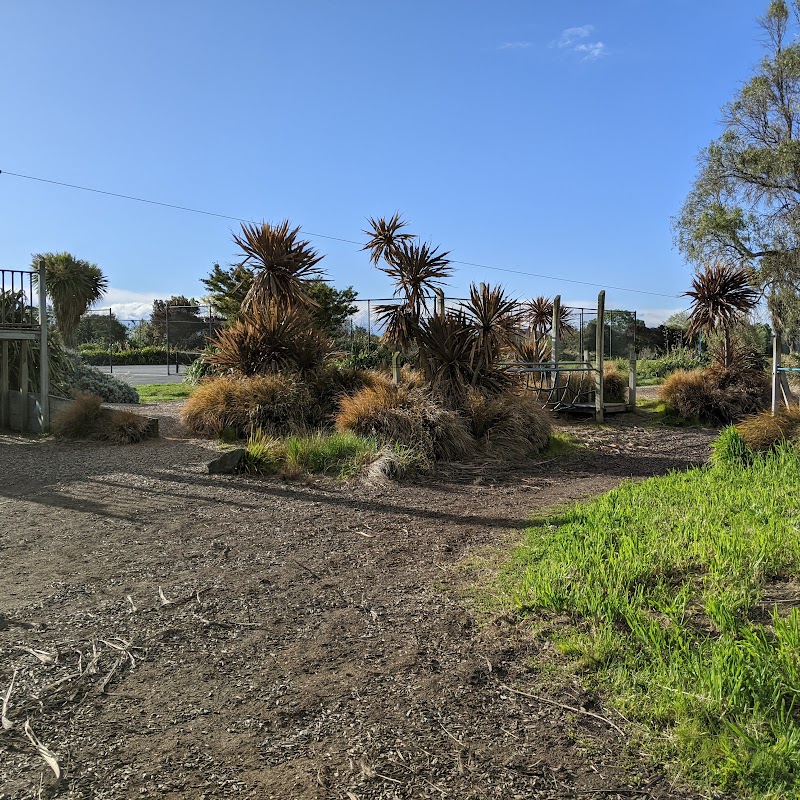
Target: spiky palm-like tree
[73,285]
[722,295]
[283,265]
[539,316]
[385,237]
[494,319]
[400,325]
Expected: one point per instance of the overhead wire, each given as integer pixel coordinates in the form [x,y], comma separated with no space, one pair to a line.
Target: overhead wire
[191,210]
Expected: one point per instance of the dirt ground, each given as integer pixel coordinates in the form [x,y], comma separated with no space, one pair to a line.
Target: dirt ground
[171,634]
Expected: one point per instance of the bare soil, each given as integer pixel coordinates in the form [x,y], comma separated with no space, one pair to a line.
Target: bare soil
[172,634]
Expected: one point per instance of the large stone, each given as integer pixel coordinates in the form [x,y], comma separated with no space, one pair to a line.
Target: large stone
[228,463]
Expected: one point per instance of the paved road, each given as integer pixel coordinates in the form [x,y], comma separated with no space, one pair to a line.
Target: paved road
[140,375]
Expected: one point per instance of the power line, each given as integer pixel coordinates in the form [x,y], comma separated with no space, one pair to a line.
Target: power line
[324,236]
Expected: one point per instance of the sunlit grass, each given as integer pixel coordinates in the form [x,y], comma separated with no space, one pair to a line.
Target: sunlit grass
[163,392]
[340,454]
[670,587]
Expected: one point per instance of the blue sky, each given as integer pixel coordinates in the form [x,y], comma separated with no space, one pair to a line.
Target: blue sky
[552,138]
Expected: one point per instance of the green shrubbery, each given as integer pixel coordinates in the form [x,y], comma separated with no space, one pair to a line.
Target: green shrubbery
[679,358]
[85,378]
[148,356]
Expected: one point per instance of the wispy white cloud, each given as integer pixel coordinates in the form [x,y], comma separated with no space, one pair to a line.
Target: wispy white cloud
[515,45]
[574,40]
[591,50]
[571,35]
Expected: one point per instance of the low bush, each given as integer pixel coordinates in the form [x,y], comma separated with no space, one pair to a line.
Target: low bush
[85,378]
[615,383]
[509,425]
[85,418]
[340,454]
[278,403]
[406,415]
[135,356]
[716,396]
[729,448]
[763,432]
[679,358]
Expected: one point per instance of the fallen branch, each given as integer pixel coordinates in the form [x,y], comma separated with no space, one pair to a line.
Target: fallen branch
[565,707]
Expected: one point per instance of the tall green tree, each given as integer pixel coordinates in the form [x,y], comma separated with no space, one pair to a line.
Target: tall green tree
[101,329]
[227,289]
[72,285]
[744,207]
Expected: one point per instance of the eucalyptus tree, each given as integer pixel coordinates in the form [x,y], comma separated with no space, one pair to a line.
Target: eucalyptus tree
[744,206]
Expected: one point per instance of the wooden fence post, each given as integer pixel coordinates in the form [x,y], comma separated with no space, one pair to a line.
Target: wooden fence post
[599,408]
[555,349]
[632,379]
[395,368]
[776,375]
[44,355]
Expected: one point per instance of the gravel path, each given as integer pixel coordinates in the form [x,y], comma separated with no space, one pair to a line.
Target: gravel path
[175,634]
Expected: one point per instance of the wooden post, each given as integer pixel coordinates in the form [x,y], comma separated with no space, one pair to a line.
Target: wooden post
[632,379]
[555,346]
[395,368]
[776,363]
[5,413]
[166,332]
[439,302]
[23,385]
[599,408]
[44,355]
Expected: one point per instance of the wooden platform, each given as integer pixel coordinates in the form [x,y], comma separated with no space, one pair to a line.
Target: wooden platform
[590,408]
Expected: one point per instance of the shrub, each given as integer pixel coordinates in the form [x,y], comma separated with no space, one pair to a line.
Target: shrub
[679,358]
[763,431]
[511,425]
[91,380]
[85,418]
[150,356]
[615,383]
[730,449]
[279,403]
[715,395]
[342,454]
[197,370]
[406,415]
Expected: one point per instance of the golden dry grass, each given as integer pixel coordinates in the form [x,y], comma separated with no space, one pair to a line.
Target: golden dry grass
[85,418]
[763,431]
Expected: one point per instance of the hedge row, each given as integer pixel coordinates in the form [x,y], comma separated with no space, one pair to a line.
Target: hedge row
[134,356]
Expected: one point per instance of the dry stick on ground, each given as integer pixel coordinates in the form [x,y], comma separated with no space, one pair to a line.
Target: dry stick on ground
[565,707]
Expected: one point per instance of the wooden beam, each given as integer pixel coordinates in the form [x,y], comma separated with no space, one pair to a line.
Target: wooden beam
[44,354]
[23,386]
[4,385]
[599,345]
[776,363]
[18,335]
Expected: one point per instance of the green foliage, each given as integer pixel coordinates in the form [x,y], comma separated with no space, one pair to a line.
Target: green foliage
[73,285]
[678,358]
[670,586]
[100,329]
[199,368]
[745,200]
[135,356]
[730,448]
[187,327]
[88,379]
[339,454]
[163,392]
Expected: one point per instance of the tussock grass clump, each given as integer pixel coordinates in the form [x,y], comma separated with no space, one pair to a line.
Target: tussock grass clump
[85,418]
[340,454]
[509,425]
[763,431]
[407,416]
[615,383]
[280,402]
[716,396]
[682,599]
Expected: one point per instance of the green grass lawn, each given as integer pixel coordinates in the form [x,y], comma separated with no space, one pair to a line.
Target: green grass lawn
[683,595]
[161,392]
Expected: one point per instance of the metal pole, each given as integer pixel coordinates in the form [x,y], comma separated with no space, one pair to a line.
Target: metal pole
[44,355]
[632,378]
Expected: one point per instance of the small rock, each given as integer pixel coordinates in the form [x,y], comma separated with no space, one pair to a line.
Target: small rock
[228,463]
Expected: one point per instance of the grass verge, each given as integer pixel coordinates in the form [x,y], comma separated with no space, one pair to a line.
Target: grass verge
[340,454]
[683,599]
[162,392]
